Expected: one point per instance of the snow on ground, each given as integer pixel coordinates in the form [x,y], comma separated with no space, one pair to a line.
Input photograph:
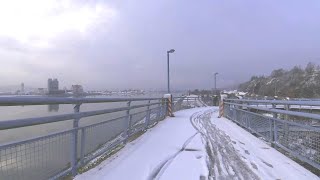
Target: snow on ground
[265,161]
[197,145]
[154,154]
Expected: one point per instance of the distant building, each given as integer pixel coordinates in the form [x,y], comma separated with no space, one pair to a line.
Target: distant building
[77,89]
[53,86]
[22,88]
[41,91]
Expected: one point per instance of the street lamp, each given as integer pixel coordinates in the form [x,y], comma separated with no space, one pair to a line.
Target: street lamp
[215,83]
[168,52]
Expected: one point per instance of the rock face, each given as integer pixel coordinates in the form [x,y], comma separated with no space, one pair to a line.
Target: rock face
[295,83]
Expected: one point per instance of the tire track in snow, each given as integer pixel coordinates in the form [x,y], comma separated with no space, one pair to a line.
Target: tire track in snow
[160,169]
[224,162]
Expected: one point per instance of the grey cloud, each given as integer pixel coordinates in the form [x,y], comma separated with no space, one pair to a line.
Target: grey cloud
[236,39]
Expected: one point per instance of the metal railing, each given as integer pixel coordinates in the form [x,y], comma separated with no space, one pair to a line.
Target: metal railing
[186,102]
[294,130]
[58,154]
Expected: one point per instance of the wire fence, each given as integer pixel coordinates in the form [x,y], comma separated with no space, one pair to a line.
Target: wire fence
[289,130]
[37,158]
[60,154]
[186,102]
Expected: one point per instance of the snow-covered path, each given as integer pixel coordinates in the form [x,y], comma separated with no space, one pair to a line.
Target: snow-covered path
[197,145]
[234,153]
[223,159]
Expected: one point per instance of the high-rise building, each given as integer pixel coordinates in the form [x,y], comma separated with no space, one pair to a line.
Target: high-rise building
[53,86]
[22,88]
[49,84]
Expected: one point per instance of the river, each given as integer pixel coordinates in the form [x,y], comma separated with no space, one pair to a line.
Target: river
[18,112]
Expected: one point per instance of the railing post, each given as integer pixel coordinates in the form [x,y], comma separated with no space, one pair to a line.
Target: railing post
[275,136]
[127,123]
[246,120]
[234,113]
[158,112]
[182,100]
[273,127]
[271,122]
[83,141]
[74,141]
[173,105]
[286,126]
[147,115]
[164,108]
[164,103]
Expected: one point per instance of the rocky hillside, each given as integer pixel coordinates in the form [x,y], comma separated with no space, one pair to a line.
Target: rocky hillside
[295,83]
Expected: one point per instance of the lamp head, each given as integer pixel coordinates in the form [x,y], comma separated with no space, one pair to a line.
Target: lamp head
[171,51]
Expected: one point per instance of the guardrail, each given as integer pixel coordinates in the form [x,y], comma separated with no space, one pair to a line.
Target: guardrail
[186,102]
[297,133]
[183,102]
[61,153]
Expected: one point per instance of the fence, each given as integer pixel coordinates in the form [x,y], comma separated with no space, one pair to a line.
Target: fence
[290,129]
[61,153]
[186,102]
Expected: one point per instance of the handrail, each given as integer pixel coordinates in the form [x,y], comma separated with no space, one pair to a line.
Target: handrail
[88,141]
[292,113]
[286,102]
[18,101]
[298,136]
[10,124]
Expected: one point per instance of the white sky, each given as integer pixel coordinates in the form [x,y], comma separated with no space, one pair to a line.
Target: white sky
[113,44]
[36,22]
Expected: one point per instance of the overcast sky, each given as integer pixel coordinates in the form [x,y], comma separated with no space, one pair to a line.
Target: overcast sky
[123,44]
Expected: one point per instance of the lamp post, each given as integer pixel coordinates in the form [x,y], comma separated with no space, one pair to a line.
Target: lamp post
[168,57]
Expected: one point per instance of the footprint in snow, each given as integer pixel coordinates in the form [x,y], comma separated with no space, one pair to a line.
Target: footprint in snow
[247,152]
[254,165]
[270,165]
[265,148]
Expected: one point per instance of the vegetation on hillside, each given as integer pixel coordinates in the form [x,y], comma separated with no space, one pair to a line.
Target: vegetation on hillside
[294,83]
